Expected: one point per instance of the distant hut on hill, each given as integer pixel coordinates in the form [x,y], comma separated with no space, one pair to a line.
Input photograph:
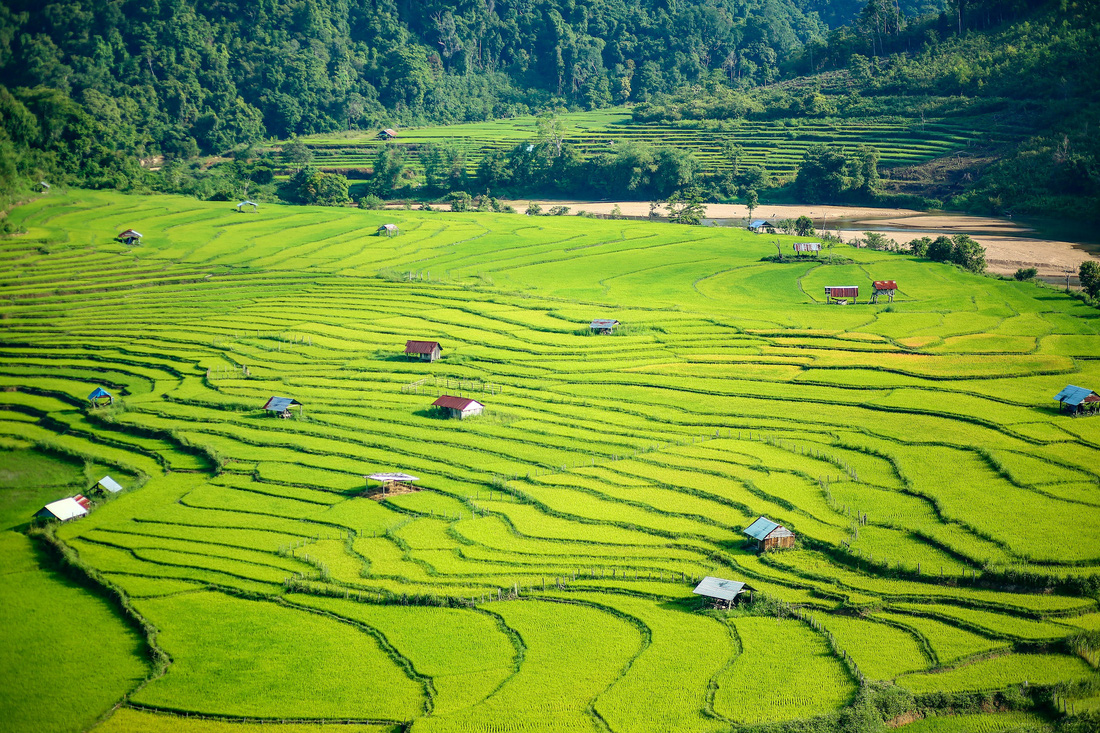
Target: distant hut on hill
[42,187]
[281,406]
[64,510]
[109,485]
[390,483]
[423,350]
[243,206]
[769,535]
[459,407]
[100,394]
[130,236]
[761,225]
[387,134]
[721,593]
[388,230]
[841,293]
[884,287]
[603,325]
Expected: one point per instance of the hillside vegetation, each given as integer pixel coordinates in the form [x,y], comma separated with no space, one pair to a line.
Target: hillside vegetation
[541,578]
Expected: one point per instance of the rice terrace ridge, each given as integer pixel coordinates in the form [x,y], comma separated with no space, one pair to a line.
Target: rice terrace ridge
[931,505]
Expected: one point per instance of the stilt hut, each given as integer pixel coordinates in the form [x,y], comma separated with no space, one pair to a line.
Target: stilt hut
[459,407]
[1076,401]
[243,206]
[721,593]
[807,248]
[840,294]
[281,406]
[130,236]
[109,485]
[603,325]
[884,287]
[423,350]
[388,230]
[390,483]
[769,535]
[64,510]
[99,394]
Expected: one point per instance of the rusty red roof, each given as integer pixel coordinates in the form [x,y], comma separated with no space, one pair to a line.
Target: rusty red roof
[421,347]
[843,291]
[456,403]
[79,499]
[885,285]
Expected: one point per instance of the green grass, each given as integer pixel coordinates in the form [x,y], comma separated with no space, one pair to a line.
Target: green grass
[607,476]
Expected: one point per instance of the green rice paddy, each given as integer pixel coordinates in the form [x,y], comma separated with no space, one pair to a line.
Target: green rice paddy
[542,577]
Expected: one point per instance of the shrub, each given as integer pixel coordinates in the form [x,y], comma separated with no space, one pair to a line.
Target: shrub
[372,202]
[558,210]
[1025,273]
[1090,277]
[533,209]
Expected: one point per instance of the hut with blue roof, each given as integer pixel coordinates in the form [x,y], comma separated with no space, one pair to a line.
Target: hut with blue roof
[100,394]
[1078,400]
[281,406]
[769,535]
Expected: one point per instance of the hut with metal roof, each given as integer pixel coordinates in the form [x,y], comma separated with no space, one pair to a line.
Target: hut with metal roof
[721,593]
[423,350]
[459,407]
[387,134]
[388,230]
[603,325]
[804,248]
[761,225]
[841,294]
[241,206]
[42,187]
[108,484]
[769,535]
[64,510]
[99,394]
[883,287]
[281,406]
[1076,401]
[390,483]
[130,236]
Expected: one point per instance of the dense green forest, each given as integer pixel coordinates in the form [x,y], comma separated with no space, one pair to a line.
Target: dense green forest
[92,91]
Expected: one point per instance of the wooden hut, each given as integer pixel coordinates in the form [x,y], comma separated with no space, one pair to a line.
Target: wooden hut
[884,287]
[459,407]
[805,248]
[390,483]
[109,485]
[64,510]
[1076,401]
[769,535]
[242,206]
[423,350]
[388,230]
[721,593]
[130,236]
[603,325]
[100,394]
[281,406]
[387,134]
[840,294]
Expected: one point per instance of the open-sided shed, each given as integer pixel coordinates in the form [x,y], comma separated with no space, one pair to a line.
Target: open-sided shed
[759,225]
[841,293]
[100,394]
[130,236]
[388,230]
[603,325]
[802,248]
[723,593]
[64,510]
[423,350]
[769,535]
[281,406]
[391,483]
[387,134]
[243,206]
[459,407]
[1076,400]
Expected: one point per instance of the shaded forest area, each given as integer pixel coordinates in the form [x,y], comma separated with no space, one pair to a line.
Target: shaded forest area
[94,93]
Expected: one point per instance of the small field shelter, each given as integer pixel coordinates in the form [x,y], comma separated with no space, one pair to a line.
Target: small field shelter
[423,350]
[281,406]
[459,407]
[603,325]
[721,592]
[769,535]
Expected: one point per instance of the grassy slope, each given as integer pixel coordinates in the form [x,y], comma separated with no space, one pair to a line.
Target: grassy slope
[604,464]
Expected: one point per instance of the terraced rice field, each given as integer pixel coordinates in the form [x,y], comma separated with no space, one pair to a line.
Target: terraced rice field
[777,145]
[541,578]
